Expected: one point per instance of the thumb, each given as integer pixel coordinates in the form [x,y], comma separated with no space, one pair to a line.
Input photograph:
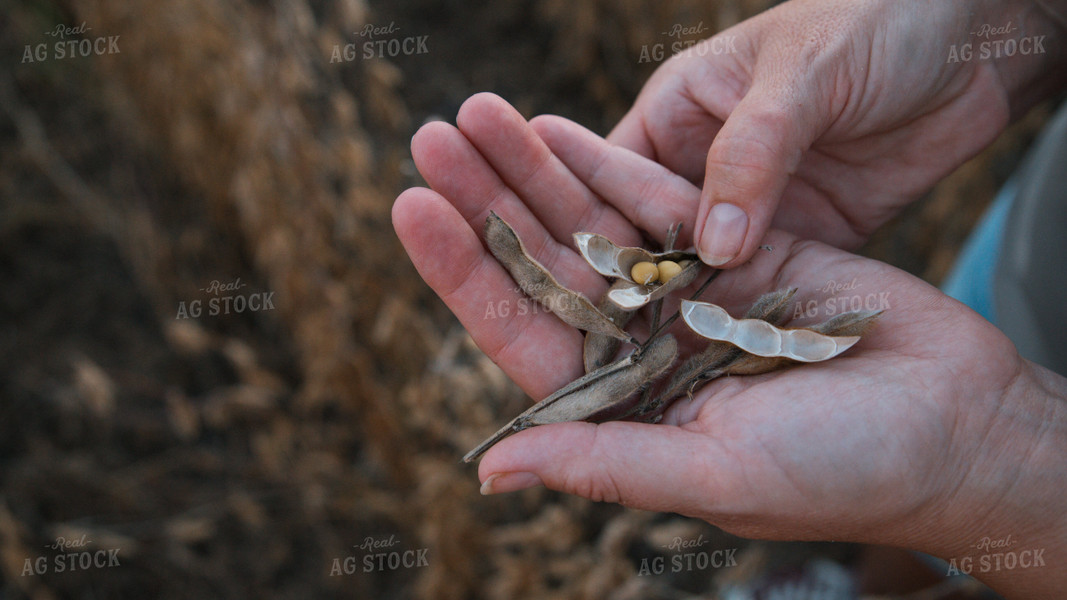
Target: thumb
[748,167]
[650,467]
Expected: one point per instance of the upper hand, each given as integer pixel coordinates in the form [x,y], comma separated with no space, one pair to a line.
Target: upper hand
[829,118]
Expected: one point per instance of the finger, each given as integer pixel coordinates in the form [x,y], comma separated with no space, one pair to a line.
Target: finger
[525,164]
[537,350]
[650,467]
[645,192]
[678,113]
[631,132]
[748,167]
[720,478]
[458,172]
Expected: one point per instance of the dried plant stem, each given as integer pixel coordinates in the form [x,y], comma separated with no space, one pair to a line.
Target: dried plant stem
[668,246]
[644,407]
[719,357]
[656,331]
[598,349]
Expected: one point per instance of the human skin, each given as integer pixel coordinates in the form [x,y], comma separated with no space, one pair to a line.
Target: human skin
[931,434]
[834,114]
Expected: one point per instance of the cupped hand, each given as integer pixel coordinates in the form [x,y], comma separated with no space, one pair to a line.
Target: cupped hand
[826,120]
[871,446]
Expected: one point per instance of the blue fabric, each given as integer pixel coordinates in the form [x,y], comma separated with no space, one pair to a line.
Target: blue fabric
[971,282]
[971,279]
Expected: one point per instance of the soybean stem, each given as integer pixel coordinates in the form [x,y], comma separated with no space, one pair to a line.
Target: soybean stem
[656,330]
[657,306]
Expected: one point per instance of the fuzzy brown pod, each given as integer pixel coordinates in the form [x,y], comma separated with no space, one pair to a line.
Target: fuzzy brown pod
[599,349]
[534,279]
[612,260]
[595,396]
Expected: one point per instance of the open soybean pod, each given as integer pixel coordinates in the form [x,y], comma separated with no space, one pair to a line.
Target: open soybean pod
[598,350]
[761,338]
[717,358]
[597,395]
[846,324]
[535,280]
[616,261]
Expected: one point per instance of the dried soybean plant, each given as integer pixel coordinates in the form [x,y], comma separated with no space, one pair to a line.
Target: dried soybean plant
[620,389]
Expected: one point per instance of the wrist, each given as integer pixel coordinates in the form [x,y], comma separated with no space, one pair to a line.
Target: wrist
[1004,523]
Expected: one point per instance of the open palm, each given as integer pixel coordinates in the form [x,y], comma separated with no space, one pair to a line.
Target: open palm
[867,446]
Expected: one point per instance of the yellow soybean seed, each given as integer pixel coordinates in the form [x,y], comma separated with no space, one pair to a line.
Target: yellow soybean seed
[668,270]
[644,272]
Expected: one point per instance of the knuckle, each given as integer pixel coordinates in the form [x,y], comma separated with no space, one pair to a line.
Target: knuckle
[597,486]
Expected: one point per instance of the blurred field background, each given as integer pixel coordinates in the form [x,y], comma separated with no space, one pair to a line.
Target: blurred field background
[237,455]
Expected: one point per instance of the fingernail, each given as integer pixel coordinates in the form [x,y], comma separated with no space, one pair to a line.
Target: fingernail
[724,232]
[500,483]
